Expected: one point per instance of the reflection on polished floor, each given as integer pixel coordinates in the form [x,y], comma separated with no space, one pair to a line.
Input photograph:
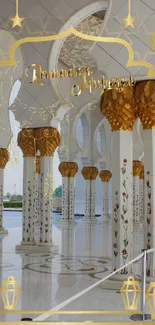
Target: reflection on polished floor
[48,279]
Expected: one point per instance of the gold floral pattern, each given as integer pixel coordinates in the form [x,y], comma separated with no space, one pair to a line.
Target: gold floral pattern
[4,158]
[105,175]
[119,108]
[89,173]
[145,99]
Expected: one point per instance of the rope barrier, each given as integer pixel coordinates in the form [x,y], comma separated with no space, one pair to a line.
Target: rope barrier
[81,293]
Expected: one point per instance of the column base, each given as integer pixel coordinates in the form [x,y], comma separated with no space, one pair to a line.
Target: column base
[67,222]
[38,247]
[3,231]
[46,247]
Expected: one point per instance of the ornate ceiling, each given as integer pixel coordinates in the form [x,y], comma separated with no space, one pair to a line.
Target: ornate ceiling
[74,50]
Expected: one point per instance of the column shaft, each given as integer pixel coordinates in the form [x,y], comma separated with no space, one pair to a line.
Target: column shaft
[122,199]
[105,207]
[141,200]
[87,199]
[46,200]
[71,198]
[65,211]
[149,165]
[37,199]
[136,211]
[28,201]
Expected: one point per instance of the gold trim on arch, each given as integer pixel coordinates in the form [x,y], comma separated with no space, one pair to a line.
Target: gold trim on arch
[72,30]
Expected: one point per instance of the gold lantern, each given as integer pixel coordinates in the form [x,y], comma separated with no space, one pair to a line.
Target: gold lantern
[10,293]
[131,292]
[150,298]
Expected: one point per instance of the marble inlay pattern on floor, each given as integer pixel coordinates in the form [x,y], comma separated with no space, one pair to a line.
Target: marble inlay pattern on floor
[48,279]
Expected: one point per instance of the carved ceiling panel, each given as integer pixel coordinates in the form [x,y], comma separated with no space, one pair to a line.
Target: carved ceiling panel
[74,50]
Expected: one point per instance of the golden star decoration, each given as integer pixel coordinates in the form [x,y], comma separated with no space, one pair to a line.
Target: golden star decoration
[129,20]
[17,20]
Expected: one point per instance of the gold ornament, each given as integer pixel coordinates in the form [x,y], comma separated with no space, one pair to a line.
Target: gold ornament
[48,139]
[4,158]
[26,142]
[129,21]
[17,20]
[130,62]
[142,173]
[89,173]
[10,293]
[145,98]
[131,292]
[38,165]
[105,175]
[119,108]
[68,169]
[137,167]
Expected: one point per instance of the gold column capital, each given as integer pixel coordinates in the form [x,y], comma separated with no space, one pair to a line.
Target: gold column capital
[105,175]
[145,99]
[137,167]
[119,108]
[68,169]
[38,165]
[4,157]
[26,142]
[48,139]
[89,173]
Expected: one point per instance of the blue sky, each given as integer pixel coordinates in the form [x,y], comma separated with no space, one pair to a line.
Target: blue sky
[13,177]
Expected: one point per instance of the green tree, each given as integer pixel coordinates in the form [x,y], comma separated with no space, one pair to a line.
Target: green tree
[58,191]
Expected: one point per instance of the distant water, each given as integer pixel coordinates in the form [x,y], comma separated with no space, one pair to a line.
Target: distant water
[13,219]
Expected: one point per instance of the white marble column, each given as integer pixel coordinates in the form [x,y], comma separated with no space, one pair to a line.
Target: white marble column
[26,141]
[46,181]
[141,196]
[90,174]
[4,158]
[120,110]
[47,141]
[137,165]
[105,176]
[145,97]
[65,203]
[68,171]
[37,192]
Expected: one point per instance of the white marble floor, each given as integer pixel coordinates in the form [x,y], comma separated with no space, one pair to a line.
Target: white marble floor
[48,279]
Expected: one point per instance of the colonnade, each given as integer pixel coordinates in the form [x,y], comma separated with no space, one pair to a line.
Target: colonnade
[133,182]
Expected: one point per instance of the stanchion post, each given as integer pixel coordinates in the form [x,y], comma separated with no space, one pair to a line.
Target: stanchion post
[144,251]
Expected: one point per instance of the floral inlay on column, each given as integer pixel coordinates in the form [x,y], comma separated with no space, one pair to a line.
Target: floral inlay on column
[148,221]
[141,194]
[124,216]
[137,167]
[115,228]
